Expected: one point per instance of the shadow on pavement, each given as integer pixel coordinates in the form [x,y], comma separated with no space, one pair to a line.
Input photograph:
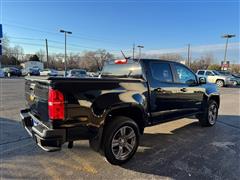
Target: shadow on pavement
[191,151]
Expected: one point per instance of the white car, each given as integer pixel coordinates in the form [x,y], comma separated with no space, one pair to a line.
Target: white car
[78,73]
[2,73]
[213,76]
[48,72]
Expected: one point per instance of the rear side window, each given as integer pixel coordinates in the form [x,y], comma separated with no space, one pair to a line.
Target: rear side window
[161,71]
[200,73]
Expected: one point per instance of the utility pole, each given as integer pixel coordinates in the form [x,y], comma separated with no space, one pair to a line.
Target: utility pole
[227,36]
[188,58]
[140,47]
[47,52]
[133,50]
[65,56]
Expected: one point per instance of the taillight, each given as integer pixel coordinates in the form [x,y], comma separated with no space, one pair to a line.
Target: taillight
[120,61]
[55,104]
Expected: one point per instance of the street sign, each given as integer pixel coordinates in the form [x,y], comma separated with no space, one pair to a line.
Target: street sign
[1,32]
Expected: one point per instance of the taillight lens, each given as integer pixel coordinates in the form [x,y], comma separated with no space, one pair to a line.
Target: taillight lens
[120,61]
[55,105]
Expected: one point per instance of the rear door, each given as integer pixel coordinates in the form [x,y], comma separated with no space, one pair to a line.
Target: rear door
[210,77]
[163,92]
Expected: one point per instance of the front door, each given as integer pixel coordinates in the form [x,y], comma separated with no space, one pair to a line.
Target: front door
[190,93]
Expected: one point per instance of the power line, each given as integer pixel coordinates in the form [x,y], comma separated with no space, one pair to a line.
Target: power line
[55,33]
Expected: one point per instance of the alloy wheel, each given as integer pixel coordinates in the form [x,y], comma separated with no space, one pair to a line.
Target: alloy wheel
[123,142]
[212,114]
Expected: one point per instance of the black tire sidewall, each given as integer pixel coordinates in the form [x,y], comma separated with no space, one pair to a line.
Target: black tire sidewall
[204,119]
[110,131]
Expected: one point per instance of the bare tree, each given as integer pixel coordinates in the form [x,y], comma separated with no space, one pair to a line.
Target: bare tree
[94,60]
[41,54]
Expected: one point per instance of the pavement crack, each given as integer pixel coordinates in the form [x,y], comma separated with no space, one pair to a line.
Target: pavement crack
[18,140]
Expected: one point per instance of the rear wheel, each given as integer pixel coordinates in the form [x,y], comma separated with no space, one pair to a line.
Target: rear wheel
[220,83]
[209,117]
[121,139]
[8,74]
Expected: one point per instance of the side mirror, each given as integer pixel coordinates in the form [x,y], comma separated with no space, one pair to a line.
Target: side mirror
[202,80]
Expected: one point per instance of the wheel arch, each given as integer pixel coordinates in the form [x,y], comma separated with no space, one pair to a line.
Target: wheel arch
[221,80]
[215,98]
[132,111]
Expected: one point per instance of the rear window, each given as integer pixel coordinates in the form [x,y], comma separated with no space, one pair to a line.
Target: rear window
[132,70]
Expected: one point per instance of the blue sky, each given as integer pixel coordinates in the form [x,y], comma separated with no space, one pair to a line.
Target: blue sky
[161,26]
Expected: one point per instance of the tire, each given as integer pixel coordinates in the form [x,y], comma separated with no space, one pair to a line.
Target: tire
[117,148]
[235,83]
[220,83]
[209,117]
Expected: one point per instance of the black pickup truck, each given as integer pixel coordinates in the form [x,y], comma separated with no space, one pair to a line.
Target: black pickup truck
[112,111]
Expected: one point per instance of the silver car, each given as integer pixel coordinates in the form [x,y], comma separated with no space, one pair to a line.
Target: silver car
[213,76]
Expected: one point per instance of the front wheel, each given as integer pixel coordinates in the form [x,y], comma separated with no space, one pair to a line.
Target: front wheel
[220,83]
[209,117]
[121,140]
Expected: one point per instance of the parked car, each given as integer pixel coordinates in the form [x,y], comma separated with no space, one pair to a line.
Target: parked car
[49,72]
[2,73]
[213,76]
[235,77]
[112,111]
[78,73]
[12,71]
[34,71]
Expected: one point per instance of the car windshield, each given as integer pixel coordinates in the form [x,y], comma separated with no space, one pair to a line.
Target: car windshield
[216,73]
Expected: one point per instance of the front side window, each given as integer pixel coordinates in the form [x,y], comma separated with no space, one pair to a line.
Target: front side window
[184,75]
[161,71]
[209,73]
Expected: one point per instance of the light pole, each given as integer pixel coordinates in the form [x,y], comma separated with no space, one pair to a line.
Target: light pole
[65,57]
[227,36]
[140,47]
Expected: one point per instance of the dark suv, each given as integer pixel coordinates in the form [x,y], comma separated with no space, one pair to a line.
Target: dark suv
[12,71]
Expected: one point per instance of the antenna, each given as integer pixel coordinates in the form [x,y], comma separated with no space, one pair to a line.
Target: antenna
[125,57]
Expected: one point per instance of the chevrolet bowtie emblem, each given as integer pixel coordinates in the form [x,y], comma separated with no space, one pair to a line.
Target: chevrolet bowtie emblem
[32,97]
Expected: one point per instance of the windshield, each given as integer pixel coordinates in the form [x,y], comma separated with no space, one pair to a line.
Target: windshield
[216,73]
[78,72]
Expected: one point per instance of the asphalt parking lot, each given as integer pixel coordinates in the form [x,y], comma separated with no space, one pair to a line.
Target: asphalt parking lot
[174,150]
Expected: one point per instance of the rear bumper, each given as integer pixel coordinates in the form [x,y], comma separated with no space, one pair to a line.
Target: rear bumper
[52,139]
[46,138]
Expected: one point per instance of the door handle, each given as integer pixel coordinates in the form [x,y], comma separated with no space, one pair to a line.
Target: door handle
[183,89]
[158,90]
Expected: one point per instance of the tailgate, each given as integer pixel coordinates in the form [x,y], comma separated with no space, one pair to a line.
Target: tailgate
[36,95]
